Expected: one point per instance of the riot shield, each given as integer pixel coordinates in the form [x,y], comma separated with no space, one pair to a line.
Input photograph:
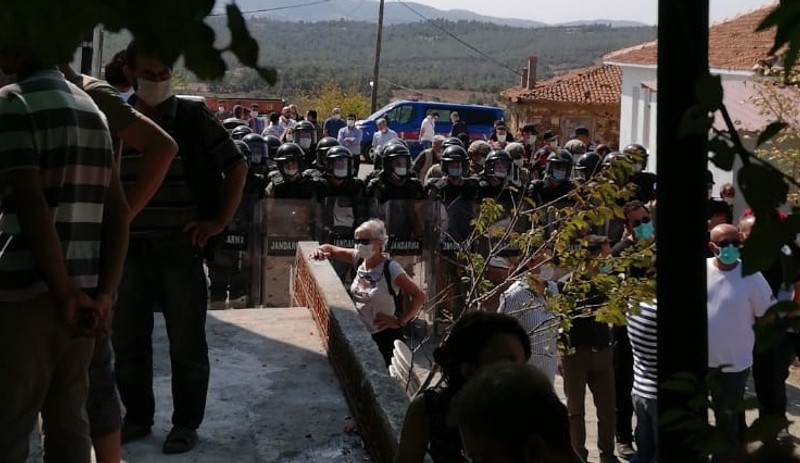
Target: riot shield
[284,223]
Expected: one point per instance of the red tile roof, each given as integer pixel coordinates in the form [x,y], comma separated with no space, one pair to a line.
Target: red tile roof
[732,44]
[594,85]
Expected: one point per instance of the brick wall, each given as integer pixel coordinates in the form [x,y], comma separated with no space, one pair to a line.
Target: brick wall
[377,400]
[602,120]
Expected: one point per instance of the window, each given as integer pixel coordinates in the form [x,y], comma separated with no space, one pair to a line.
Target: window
[400,115]
[477,117]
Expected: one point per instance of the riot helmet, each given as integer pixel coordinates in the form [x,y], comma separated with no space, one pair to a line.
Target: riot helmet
[454,161]
[258,148]
[323,145]
[613,158]
[273,143]
[304,135]
[289,159]
[243,148]
[499,165]
[397,160]
[588,164]
[559,165]
[449,141]
[239,132]
[233,122]
[339,162]
[637,155]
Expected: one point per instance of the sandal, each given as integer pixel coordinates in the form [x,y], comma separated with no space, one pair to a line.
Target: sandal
[180,440]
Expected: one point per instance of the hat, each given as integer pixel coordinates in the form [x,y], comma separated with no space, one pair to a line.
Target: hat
[710,178]
[581,130]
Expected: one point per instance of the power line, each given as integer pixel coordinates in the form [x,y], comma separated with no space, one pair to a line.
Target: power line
[287,7]
[458,39]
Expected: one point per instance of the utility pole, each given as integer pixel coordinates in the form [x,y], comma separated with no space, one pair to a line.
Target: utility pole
[376,71]
[87,50]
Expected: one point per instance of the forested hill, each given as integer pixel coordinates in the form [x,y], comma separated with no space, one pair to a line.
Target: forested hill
[419,55]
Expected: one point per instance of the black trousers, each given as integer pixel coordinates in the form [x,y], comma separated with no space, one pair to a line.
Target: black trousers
[385,341]
[623,384]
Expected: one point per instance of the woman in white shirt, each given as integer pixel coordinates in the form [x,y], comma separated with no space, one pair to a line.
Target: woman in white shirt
[370,288]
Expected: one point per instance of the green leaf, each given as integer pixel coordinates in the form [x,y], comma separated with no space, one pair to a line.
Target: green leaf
[770,132]
[763,187]
[695,121]
[724,154]
[708,90]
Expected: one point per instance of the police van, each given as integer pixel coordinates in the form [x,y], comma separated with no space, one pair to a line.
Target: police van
[405,117]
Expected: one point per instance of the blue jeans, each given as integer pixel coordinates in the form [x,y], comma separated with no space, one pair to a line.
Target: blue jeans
[646,429]
[166,273]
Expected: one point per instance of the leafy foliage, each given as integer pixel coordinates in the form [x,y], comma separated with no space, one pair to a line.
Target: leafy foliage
[172,28]
[330,95]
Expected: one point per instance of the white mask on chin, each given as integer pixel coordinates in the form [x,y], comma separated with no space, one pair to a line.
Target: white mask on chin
[154,93]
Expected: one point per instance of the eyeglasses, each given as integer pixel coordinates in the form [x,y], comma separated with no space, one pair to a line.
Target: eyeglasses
[726,243]
[636,223]
[363,241]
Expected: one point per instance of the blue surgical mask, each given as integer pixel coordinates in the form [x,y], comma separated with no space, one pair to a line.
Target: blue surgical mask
[644,231]
[728,255]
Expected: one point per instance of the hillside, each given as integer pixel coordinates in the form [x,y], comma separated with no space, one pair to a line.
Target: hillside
[418,55]
[394,12]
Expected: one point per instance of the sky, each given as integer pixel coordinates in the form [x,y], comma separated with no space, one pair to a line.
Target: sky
[547,11]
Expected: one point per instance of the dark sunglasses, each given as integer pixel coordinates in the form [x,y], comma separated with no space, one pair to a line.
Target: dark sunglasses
[364,241]
[636,223]
[726,243]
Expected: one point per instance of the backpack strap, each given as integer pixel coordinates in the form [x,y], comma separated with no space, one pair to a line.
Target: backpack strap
[387,275]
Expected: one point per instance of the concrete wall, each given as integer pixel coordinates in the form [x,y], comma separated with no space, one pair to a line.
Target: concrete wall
[377,400]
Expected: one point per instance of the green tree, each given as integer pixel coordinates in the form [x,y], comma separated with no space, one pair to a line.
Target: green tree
[331,95]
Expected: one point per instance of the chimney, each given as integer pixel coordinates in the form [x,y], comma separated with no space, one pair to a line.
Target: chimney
[523,82]
[530,81]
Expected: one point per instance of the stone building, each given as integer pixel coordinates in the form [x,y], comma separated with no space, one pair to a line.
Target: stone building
[588,97]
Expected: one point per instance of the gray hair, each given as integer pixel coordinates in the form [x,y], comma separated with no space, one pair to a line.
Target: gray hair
[515,150]
[380,121]
[438,139]
[376,229]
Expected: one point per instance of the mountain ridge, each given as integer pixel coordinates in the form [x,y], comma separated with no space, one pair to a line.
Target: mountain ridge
[394,13]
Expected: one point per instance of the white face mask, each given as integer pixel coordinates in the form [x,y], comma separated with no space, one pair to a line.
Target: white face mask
[126,95]
[365,251]
[290,172]
[519,162]
[502,137]
[351,123]
[304,142]
[728,200]
[454,171]
[401,171]
[531,139]
[340,172]
[154,93]
[500,172]
[546,272]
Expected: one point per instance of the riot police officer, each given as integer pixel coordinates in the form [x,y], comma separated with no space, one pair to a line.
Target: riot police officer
[396,193]
[342,203]
[273,143]
[258,152]
[587,166]
[645,182]
[239,132]
[456,192]
[304,134]
[290,179]
[497,180]
[556,183]
[323,145]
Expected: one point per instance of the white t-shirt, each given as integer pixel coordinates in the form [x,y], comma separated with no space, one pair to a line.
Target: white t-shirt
[427,130]
[733,303]
[370,292]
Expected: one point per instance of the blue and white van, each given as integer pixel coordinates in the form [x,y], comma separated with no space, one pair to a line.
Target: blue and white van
[405,117]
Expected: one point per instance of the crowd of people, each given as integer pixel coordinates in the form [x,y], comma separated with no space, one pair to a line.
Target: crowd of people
[127,191]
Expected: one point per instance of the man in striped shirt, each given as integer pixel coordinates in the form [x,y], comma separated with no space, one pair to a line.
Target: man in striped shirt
[64,219]
[642,329]
[529,306]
